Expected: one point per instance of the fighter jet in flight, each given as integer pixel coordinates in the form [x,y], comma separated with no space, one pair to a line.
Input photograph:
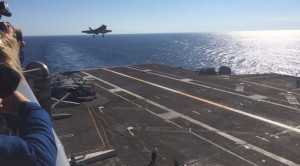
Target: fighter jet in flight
[102,29]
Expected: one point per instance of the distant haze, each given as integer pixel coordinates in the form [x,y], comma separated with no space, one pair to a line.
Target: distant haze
[70,17]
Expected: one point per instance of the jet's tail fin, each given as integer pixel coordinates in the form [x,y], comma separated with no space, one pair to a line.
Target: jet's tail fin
[90,28]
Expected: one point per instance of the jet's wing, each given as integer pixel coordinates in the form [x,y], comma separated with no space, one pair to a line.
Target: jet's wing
[106,31]
[87,31]
[91,31]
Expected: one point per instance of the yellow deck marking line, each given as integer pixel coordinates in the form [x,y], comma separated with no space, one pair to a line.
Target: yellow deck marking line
[98,132]
[221,133]
[209,87]
[210,102]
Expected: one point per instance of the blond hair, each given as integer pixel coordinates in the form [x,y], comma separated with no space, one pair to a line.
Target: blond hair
[9,52]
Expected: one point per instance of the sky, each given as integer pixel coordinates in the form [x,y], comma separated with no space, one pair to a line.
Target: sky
[70,17]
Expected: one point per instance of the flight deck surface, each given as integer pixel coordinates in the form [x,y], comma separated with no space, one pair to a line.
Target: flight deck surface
[196,119]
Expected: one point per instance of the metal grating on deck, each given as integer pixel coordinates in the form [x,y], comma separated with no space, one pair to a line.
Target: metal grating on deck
[239,88]
[291,99]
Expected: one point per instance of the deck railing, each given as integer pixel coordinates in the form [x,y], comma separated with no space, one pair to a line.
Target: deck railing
[25,89]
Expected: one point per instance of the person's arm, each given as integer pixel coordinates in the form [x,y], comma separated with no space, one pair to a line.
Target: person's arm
[35,144]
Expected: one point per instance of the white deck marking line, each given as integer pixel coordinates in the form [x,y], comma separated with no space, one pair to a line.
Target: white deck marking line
[237,140]
[210,102]
[169,115]
[246,80]
[241,142]
[167,109]
[196,112]
[186,80]
[262,138]
[292,99]
[115,90]
[100,109]
[239,88]
[66,136]
[285,131]
[146,70]
[217,89]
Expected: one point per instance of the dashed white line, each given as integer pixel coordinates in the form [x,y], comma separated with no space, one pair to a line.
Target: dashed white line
[196,112]
[217,89]
[210,102]
[219,132]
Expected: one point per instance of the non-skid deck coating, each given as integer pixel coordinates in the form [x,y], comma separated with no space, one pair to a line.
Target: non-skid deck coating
[197,119]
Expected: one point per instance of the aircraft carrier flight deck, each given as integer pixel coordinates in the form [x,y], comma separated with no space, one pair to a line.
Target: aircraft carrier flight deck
[192,119]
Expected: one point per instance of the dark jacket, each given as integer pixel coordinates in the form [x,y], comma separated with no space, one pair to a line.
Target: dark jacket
[35,144]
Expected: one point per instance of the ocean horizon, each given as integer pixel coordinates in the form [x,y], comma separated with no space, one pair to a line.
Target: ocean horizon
[245,52]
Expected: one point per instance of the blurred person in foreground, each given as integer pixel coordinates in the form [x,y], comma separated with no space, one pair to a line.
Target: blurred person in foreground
[32,142]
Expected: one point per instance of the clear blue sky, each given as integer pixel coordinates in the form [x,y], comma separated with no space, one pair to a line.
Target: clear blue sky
[69,17]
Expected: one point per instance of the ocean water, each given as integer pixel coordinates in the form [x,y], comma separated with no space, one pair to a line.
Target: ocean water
[245,52]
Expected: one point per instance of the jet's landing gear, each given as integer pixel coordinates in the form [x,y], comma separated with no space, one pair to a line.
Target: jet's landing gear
[93,35]
[102,35]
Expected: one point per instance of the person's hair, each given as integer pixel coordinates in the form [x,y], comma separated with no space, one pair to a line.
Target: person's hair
[9,52]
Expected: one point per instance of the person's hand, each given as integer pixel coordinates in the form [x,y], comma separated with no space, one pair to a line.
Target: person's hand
[13,32]
[19,34]
[11,103]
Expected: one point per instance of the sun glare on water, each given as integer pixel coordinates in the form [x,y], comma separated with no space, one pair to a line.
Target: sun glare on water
[271,34]
[275,51]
